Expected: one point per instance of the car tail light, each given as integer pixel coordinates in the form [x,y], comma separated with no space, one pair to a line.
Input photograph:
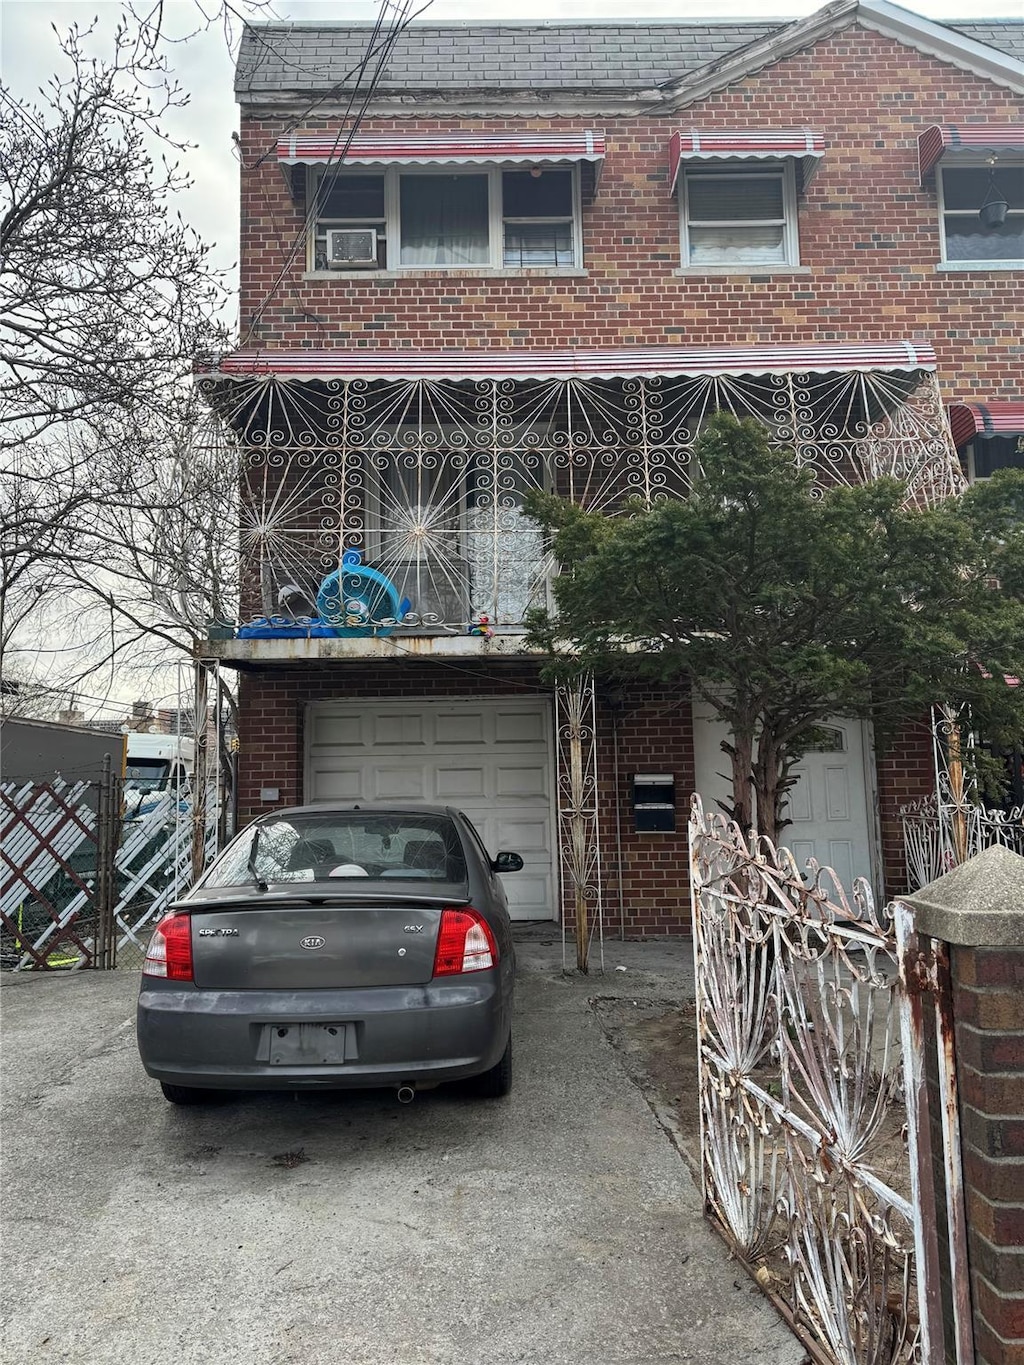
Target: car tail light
[170,949]
[464,943]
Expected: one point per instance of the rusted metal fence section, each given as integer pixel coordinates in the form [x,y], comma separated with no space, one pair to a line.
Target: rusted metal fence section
[80,886]
[945,829]
[829,1156]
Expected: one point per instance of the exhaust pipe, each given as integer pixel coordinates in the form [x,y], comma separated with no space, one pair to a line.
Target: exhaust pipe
[406,1094]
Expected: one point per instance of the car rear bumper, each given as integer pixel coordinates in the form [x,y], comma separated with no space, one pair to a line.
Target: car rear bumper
[444,1031]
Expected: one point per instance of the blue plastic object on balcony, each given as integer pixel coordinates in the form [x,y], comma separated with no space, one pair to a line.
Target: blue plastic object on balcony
[284,628]
[354,598]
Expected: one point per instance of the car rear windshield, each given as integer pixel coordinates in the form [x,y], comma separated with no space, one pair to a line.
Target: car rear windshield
[348,845]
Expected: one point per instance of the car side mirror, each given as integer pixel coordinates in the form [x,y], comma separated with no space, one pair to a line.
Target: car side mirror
[507,862]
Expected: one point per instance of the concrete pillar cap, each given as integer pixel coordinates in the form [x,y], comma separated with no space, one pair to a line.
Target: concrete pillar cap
[980,904]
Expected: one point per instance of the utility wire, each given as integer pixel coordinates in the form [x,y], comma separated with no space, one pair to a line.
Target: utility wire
[335,89]
[336,157]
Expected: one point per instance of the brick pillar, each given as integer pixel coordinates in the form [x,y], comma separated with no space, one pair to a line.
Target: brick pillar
[978,910]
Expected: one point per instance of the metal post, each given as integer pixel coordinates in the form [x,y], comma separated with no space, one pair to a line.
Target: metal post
[199,776]
[108,810]
[577,810]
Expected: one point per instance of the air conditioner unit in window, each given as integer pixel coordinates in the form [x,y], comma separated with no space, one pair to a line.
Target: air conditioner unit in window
[349,247]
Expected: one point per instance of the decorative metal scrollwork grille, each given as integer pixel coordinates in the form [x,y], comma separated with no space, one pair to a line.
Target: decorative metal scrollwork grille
[578,832]
[427,477]
[951,824]
[802,1109]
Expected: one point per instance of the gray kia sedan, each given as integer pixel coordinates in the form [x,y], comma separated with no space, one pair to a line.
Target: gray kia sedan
[332,946]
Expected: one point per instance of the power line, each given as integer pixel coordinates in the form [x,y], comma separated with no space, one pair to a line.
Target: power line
[335,160]
[335,89]
[313,207]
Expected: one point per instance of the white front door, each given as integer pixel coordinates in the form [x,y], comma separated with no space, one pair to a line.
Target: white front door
[829,807]
[491,759]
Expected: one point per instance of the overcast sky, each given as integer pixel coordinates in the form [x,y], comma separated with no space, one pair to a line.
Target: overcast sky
[29,56]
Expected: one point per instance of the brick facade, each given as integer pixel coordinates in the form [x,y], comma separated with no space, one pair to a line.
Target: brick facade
[869,271]
[988,1006]
[646,891]
[645,876]
[869,237]
[905,773]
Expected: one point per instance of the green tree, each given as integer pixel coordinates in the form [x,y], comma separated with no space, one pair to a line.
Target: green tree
[781,604]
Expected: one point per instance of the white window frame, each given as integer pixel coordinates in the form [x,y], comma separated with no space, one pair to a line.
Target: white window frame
[321,224]
[968,163]
[970,452]
[784,169]
[496,220]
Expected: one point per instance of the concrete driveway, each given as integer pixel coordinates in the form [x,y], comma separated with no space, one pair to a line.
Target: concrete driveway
[560,1225]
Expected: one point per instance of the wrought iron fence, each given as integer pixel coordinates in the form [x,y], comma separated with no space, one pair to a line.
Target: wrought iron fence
[951,824]
[930,842]
[426,479]
[813,1165]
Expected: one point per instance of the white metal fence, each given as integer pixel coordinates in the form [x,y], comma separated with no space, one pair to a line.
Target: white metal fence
[81,887]
[818,1018]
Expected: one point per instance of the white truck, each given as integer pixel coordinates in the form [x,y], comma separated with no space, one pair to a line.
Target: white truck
[153,765]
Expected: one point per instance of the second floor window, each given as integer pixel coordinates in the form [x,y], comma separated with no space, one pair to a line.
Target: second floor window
[739,217]
[965,237]
[489,218]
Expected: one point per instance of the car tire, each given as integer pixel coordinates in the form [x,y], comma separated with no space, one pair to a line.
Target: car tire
[492,1084]
[187,1094]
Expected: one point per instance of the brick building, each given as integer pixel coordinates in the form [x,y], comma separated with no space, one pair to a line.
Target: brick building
[540,255]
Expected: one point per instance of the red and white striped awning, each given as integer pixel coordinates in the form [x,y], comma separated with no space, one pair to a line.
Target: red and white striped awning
[942,139]
[968,421]
[745,144]
[455,148]
[632,362]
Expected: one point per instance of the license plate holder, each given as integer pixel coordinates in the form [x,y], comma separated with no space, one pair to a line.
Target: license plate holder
[306,1044]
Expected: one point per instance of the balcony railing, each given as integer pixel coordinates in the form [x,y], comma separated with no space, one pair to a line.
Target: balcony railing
[426,478]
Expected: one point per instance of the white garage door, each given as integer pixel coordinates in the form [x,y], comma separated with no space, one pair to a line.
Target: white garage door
[491,759]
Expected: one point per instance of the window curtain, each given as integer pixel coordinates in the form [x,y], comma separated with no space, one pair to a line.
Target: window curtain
[444,220]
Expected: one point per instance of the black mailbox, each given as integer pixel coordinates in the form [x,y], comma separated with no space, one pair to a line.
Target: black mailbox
[654,803]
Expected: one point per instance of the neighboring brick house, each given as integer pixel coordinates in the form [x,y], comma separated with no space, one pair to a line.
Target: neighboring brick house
[545,254]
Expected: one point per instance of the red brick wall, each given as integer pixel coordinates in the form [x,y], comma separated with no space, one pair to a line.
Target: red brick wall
[906,772]
[647,890]
[654,733]
[868,231]
[988,1005]
[645,876]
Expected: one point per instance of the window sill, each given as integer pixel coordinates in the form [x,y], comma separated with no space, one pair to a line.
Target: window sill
[456,273]
[694,270]
[980,265]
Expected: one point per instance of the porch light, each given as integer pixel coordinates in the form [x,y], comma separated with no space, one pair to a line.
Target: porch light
[994,206]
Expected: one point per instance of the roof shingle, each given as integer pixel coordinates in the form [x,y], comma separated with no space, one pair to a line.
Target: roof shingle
[313,58]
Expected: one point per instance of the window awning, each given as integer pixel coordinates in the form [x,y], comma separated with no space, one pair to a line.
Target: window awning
[632,362]
[750,144]
[971,421]
[426,149]
[942,139]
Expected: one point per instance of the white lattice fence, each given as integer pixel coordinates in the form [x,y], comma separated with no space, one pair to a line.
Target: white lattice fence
[75,877]
[48,866]
[154,866]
